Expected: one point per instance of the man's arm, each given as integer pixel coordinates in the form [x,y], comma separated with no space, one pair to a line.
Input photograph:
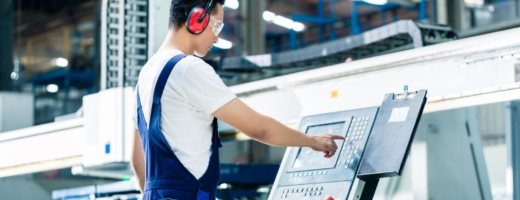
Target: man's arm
[138,163]
[267,130]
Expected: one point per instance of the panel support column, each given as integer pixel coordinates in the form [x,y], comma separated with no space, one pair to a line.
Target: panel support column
[252,39]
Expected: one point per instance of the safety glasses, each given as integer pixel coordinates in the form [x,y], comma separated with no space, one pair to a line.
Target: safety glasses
[216,26]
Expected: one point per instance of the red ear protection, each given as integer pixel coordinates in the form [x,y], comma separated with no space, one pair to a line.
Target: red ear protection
[198,19]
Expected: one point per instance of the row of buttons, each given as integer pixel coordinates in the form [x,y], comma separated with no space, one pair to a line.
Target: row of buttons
[349,152]
[351,147]
[360,119]
[298,190]
[357,128]
[312,194]
[360,123]
[284,196]
[346,162]
[356,133]
[309,174]
[354,138]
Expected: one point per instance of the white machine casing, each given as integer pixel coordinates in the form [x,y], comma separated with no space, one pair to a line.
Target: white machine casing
[109,127]
[16,111]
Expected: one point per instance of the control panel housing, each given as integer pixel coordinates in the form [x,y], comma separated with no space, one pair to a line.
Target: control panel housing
[378,140]
[307,174]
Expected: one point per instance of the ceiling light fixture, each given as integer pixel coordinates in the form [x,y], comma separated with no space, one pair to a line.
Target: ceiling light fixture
[52,88]
[283,21]
[268,16]
[233,4]
[61,62]
[376,2]
[223,44]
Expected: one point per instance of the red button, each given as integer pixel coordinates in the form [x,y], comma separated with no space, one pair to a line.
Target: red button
[328,197]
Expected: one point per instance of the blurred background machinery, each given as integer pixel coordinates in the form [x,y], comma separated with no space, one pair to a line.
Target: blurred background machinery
[64,50]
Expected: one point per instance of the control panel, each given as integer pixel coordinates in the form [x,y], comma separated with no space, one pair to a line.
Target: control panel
[306,174]
[384,134]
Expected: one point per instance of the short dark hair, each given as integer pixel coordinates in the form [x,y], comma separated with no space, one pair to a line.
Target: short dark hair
[180,9]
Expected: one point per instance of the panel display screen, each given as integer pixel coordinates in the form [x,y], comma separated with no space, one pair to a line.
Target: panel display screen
[307,158]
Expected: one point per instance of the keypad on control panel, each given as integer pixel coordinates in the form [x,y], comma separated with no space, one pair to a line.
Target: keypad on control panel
[358,128]
[356,132]
[349,150]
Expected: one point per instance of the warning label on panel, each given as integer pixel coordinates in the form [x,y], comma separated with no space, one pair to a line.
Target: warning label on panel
[399,114]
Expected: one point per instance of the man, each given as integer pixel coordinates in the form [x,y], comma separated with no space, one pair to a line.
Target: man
[179,97]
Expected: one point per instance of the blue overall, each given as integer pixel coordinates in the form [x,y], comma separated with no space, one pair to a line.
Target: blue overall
[166,177]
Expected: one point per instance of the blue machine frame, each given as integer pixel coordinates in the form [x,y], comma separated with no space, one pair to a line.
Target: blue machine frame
[321,20]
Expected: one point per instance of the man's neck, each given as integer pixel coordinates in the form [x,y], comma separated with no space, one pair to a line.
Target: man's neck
[178,40]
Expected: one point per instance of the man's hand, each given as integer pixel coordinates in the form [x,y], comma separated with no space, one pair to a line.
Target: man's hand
[328,197]
[325,143]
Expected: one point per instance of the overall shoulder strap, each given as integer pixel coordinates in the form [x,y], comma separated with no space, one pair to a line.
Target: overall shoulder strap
[139,110]
[163,77]
[137,96]
[216,138]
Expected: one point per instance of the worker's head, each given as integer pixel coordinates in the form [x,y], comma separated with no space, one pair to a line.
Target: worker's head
[203,19]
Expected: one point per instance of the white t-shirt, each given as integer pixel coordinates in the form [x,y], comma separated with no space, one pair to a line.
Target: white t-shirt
[192,93]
